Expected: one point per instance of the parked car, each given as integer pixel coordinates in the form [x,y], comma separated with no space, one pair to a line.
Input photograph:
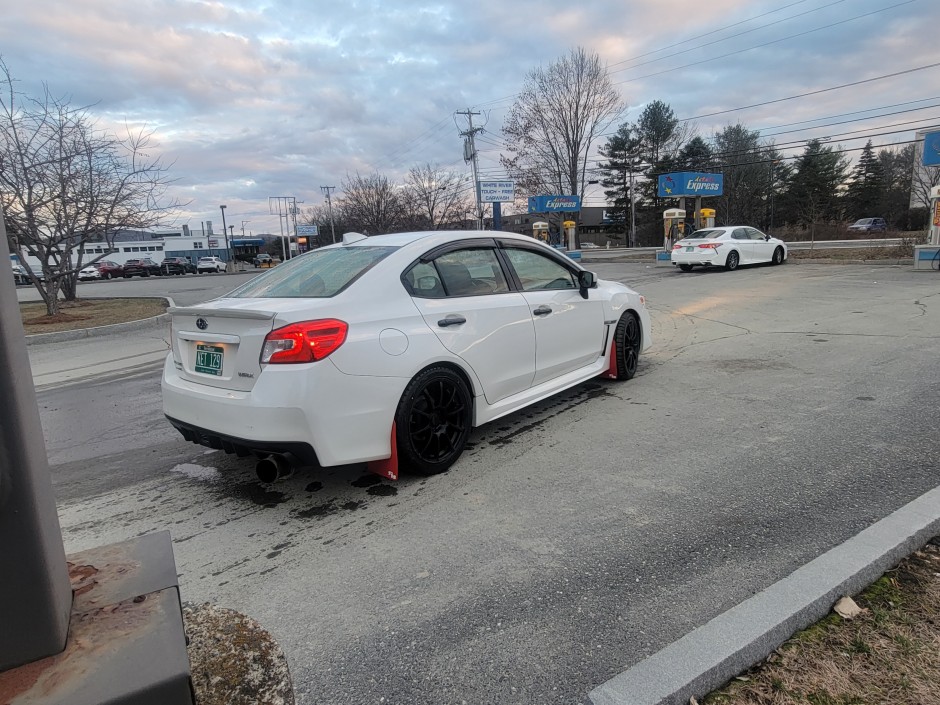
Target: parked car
[19,274]
[141,268]
[210,264]
[727,247]
[89,273]
[262,259]
[177,265]
[869,225]
[428,335]
[102,269]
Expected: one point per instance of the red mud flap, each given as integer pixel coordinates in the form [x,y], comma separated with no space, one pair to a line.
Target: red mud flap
[611,371]
[389,467]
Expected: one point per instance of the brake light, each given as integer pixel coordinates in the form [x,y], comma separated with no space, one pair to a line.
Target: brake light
[710,245]
[303,342]
[677,246]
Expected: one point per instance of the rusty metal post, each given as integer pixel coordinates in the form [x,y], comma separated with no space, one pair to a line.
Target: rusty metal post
[35,592]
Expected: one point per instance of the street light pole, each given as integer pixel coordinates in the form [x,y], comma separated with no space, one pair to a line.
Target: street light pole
[228,253]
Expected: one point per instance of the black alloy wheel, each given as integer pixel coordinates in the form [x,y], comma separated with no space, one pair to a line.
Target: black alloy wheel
[685,267]
[778,256]
[627,338]
[732,262]
[433,421]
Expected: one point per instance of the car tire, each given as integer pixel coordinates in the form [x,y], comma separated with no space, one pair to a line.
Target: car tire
[685,267]
[433,421]
[627,340]
[732,261]
[778,256]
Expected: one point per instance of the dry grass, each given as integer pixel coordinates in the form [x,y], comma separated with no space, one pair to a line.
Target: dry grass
[896,252]
[88,313]
[888,654]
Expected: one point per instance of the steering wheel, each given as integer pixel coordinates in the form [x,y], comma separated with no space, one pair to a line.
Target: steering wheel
[560,283]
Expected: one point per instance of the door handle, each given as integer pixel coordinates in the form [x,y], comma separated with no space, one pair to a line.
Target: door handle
[542,310]
[451,321]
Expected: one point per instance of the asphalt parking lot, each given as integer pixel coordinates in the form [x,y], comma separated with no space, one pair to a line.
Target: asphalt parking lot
[780,411]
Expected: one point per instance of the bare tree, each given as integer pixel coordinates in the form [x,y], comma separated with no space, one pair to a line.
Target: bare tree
[435,198]
[64,183]
[371,204]
[552,125]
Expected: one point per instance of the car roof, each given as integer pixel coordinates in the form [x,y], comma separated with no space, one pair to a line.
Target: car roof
[434,238]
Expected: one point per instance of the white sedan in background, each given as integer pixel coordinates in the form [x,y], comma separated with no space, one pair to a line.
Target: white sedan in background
[727,247]
[389,349]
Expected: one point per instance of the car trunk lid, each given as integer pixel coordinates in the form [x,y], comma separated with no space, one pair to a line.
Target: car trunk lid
[219,344]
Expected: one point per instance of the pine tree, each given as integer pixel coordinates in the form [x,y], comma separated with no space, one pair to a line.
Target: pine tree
[864,196]
[620,173]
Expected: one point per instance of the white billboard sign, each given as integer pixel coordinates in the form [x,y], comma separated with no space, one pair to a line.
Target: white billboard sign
[497,191]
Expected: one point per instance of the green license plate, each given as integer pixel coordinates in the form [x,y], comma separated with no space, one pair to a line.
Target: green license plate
[209,359]
[689,249]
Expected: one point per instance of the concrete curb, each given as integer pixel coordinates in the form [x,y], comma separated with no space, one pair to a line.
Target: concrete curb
[711,655]
[80,333]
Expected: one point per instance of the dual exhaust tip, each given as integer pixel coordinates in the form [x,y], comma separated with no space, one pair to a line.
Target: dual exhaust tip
[273,468]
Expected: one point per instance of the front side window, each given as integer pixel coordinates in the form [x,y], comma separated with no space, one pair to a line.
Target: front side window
[537,272]
[755,234]
[318,274]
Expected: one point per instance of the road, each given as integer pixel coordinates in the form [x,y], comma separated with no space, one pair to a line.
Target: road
[780,411]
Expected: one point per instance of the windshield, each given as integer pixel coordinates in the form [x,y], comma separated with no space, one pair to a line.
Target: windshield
[319,274]
[863,221]
[704,234]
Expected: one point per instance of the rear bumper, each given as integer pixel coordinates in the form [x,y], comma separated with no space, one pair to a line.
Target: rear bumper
[697,259]
[243,447]
[312,411]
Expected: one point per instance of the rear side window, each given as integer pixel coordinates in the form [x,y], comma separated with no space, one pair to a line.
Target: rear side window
[319,274]
[470,272]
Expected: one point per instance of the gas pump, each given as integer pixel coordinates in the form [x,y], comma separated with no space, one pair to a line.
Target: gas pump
[934,238]
[673,227]
[928,256]
[569,227]
[706,218]
[540,231]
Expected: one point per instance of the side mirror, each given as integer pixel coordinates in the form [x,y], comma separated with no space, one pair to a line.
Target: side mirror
[586,280]
[767,238]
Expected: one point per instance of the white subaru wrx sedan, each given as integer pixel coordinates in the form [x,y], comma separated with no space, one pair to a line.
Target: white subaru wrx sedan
[727,247]
[389,349]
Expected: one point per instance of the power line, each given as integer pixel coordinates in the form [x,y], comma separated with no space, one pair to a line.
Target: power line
[733,36]
[764,44]
[809,93]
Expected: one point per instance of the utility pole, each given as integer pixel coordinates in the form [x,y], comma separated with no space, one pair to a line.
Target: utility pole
[329,205]
[228,254]
[283,207]
[470,155]
[243,226]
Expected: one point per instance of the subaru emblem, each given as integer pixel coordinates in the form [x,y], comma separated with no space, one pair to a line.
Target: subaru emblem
[202,323]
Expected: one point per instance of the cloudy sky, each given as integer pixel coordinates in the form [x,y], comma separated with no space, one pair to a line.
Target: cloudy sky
[250,99]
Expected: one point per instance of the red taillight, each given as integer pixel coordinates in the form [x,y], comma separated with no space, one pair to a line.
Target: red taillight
[710,245]
[676,246]
[303,342]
